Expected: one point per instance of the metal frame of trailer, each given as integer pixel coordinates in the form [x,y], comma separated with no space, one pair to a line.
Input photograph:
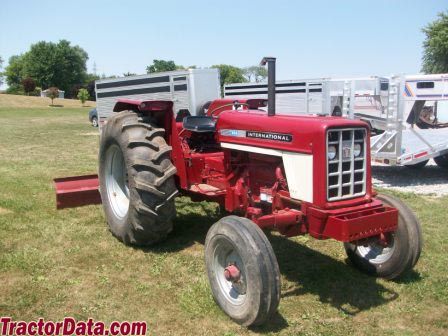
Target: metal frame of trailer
[389,105]
[403,142]
[313,96]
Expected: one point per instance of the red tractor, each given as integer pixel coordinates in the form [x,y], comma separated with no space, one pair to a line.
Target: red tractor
[295,174]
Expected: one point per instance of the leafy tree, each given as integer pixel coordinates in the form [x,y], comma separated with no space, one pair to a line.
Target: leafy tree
[15,89]
[91,90]
[255,73]
[29,85]
[127,74]
[14,72]
[435,55]
[104,76]
[90,84]
[230,74]
[1,73]
[91,77]
[52,93]
[73,92]
[161,66]
[49,64]
[83,95]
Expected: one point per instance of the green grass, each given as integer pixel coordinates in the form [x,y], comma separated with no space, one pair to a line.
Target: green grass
[66,263]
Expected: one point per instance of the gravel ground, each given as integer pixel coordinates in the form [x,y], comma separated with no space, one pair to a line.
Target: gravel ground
[430,180]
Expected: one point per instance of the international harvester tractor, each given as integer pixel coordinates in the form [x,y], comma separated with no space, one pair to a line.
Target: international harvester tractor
[294,174]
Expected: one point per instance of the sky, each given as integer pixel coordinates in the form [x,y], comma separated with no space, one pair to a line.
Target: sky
[309,38]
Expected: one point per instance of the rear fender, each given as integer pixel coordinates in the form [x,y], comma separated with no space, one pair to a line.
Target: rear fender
[160,113]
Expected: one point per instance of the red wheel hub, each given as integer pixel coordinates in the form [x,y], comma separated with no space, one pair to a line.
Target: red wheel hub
[232,273]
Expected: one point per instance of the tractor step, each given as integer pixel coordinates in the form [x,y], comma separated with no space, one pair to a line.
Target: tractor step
[77,191]
[206,189]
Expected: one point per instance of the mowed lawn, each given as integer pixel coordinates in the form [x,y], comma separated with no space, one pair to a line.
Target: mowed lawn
[66,263]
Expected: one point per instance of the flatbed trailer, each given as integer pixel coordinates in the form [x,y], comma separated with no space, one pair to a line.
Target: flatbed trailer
[407,139]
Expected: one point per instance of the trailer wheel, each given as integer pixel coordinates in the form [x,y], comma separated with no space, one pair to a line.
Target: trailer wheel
[243,270]
[419,165]
[337,112]
[400,255]
[136,180]
[442,161]
[204,108]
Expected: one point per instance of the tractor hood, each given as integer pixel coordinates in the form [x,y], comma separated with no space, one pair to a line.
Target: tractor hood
[302,134]
[301,141]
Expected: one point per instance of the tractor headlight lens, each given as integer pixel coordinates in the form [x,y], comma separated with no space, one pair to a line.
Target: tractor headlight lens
[357,150]
[331,152]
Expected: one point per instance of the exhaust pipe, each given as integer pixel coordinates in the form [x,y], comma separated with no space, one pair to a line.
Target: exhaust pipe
[271,83]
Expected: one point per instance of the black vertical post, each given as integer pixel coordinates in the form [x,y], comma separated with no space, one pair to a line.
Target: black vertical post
[271,83]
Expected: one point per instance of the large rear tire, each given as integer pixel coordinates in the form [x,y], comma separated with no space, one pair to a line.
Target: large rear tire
[243,270]
[136,180]
[402,252]
[442,161]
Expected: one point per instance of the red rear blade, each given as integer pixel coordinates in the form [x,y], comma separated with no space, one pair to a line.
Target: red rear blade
[77,191]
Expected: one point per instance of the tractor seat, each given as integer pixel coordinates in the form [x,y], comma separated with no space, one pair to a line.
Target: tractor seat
[200,124]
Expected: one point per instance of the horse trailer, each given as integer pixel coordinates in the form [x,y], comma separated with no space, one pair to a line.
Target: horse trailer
[189,90]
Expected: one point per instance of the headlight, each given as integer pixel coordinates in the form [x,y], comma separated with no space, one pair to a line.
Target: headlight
[331,152]
[357,149]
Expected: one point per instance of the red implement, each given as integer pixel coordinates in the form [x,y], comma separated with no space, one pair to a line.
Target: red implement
[77,191]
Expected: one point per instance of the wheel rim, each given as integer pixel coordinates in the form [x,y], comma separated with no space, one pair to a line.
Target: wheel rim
[117,181]
[227,257]
[94,122]
[376,253]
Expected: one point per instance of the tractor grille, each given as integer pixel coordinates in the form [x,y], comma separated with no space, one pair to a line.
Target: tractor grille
[346,176]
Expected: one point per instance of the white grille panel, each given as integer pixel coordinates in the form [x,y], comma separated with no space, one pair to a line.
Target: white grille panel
[346,173]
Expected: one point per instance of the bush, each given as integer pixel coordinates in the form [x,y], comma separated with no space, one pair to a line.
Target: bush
[15,89]
[52,93]
[73,92]
[29,85]
[83,95]
[37,91]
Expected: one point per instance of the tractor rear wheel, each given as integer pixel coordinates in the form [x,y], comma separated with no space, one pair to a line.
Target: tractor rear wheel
[442,161]
[399,255]
[243,270]
[136,180]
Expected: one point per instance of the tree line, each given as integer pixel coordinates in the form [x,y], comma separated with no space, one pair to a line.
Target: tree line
[63,66]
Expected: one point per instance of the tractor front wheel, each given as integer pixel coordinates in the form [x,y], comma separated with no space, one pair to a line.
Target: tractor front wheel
[398,253]
[243,270]
[136,180]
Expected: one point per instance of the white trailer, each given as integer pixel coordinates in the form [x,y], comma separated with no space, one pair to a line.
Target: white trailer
[319,95]
[292,96]
[406,109]
[188,89]
[430,91]
[413,131]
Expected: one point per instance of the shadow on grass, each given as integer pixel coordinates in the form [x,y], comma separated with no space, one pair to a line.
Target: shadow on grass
[409,277]
[190,226]
[334,282]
